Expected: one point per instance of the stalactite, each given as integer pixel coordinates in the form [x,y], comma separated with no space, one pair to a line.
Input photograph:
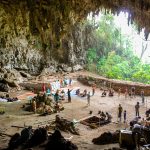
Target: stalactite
[129,19]
[53,12]
[139,29]
[147,6]
[142,4]
[146,34]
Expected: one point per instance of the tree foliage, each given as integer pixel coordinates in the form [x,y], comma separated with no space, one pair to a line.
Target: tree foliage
[112,56]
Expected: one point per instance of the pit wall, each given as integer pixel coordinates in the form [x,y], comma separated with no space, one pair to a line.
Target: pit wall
[101,82]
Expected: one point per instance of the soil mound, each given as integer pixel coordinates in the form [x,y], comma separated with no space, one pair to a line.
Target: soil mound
[57,141]
[107,138]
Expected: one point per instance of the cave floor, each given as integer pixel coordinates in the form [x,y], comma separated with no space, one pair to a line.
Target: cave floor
[77,109]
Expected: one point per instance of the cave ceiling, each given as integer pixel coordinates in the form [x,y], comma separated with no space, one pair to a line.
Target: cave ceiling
[54,18]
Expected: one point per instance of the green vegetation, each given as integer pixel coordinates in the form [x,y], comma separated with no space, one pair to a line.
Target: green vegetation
[112,55]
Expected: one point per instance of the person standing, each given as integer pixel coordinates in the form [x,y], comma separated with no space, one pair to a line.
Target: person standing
[56,96]
[136,134]
[137,107]
[61,83]
[70,81]
[126,93]
[125,116]
[43,88]
[132,92]
[49,86]
[88,99]
[119,92]
[34,106]
[69,96]
[142,96]
[120,112]
[65,82]
[48,91]
[93,90]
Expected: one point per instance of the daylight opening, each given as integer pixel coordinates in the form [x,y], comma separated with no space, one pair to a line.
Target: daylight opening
[117,50]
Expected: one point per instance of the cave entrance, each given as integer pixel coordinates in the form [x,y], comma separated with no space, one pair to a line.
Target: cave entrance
[116,50]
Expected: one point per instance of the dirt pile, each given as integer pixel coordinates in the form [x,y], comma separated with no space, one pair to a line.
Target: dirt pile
[107,138]
[57,141]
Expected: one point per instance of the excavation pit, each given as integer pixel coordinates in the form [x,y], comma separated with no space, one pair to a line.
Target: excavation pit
[94,122]
[91,121]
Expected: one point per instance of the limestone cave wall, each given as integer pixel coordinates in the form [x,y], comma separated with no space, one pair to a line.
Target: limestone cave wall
[23,50]
[18,48]
[38,33]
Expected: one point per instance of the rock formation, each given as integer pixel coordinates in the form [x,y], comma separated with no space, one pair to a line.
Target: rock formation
[39,33]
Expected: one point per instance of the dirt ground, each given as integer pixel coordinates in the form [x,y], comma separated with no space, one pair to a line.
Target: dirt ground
[77,109]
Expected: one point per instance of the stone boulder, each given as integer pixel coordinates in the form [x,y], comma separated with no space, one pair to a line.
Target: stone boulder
[3,70]
[49,70]
[9,78]
[11,83]
[1,76]
[25,75]
[16,75]
[64,68]
[107,138]
[4,87]
[77,68]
